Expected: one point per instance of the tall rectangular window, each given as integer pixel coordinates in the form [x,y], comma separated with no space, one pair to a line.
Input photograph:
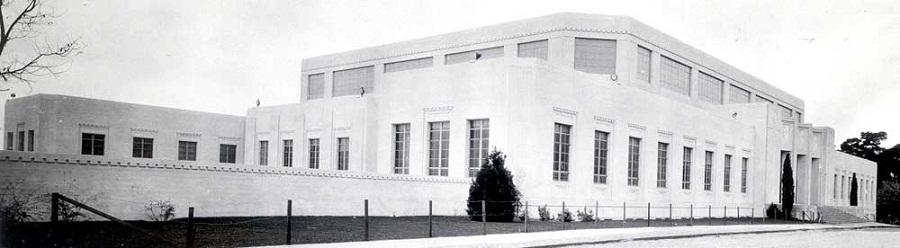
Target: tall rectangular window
[738,95]
[744,175]
[92,144]
[313,153]
[401,148]
[661,161]
[343,152]
[842,187]
[595,56]
[288,157]
[315,86]
[20,144]
[686,168]
[187,150]
[561,135]
[479,136]
[30,140]
[438,148]
[634,161]
[675,76]
[141,147]
[354,81]
[707,171]
[601,148]
[263,152]
[835,188]
[227,153]
[411,64]
[643,66]
[534,49]
[726,181]
[480,54]
[9,141]
[710,88]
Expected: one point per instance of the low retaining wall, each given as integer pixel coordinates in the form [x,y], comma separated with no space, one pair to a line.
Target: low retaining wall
[124,187]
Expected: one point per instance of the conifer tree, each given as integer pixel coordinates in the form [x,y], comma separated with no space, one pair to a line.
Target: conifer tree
[787,187]
[853,191]
[493,184]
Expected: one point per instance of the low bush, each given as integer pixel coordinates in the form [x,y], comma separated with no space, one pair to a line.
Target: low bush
[159,210]
[586,216]
[543,213]
[564,216]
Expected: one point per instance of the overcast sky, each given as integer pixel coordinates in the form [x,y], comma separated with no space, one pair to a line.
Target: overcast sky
[840,57]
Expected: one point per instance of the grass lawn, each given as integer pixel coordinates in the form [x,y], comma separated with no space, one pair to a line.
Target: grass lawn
[247,231]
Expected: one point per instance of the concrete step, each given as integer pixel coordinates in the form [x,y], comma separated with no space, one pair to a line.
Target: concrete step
[836,215]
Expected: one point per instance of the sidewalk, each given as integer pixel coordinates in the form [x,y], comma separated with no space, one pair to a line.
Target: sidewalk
[589,236]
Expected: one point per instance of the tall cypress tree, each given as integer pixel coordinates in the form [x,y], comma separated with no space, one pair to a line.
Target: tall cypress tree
[853,191]
[787,187]
[493,184]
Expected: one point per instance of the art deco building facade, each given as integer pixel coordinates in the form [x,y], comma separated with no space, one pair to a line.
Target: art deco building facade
[587,108]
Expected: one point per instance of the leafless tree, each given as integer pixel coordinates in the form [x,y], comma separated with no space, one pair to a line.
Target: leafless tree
[27,19]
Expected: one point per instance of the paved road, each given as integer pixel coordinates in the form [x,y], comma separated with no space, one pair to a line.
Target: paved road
[874,237]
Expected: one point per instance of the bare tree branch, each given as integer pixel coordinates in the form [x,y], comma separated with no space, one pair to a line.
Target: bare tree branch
[46,60]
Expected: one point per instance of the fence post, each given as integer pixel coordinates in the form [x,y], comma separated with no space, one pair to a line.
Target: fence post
[752,210]
[190,228]
[692,214]
[564,215]
[366,218]
[483,218]
[597,212]
[54,207]
[430,220]
[526,216]
[289,222]
[648,213]
[624,216]
[739,214]
[671,220]
[725,214]
[709,218]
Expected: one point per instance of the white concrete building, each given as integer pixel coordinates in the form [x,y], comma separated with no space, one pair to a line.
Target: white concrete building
[587,108]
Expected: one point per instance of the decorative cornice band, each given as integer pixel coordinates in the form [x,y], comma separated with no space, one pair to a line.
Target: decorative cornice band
[565,111]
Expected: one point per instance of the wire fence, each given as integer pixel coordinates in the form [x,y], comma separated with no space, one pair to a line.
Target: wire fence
[414,221]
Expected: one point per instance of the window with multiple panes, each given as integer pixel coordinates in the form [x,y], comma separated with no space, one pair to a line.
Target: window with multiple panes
[288,156]
[9,141]
[343,152]
[30,140]
[786,113]
[643,66]
[726,180]
[480,54]
[315,86]
[142,147]
[20,144]
[662,159]
[479,136]
[601,149]
[354,81]
[92,144]
[744,175]
[534,49]
[438,148]
[313,153]
[401,148]
[411,64]
[675,76]
[686,168]
[595,55]
[710,88]
[187,150]
[634,161]
[738,95]
[263,152]
[707,171]
[561,135]
[227,153]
